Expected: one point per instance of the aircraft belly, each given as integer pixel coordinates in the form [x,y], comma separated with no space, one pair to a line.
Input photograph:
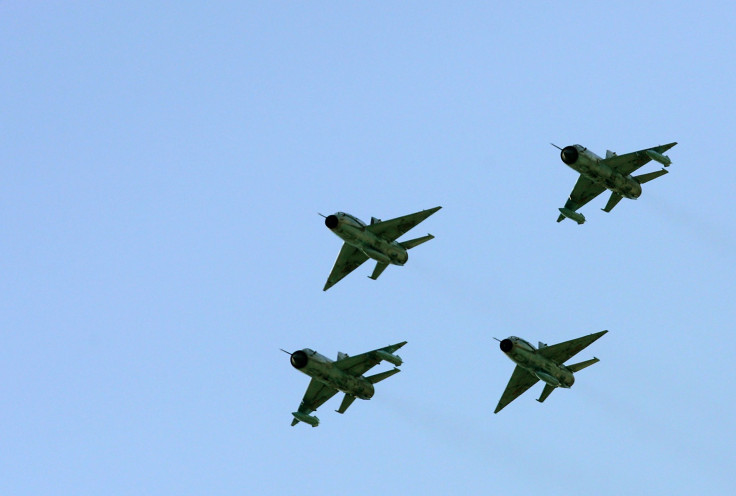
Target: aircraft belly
[547,378]
[375,254]
[354,236]
[546,370]
[337,379]
[624,186]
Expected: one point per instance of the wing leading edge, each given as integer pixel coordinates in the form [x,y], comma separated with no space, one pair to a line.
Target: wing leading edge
[349,259]
[629,162]
[360,364]
[583,191]
[317,393]
[562,352]
[520,381]
[393,229]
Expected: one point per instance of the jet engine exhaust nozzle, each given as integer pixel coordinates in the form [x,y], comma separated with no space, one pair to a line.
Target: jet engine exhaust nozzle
[331,221]
[569,155]
[506,345]
[299,359]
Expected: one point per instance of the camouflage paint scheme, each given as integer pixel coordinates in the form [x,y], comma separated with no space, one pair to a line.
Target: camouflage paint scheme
[345,374]
[613,172]
[376,240]
[543,363]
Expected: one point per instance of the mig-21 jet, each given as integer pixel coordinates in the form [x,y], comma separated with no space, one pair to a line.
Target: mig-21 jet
[613,172]
[545,363]
[376,240]
[345,374]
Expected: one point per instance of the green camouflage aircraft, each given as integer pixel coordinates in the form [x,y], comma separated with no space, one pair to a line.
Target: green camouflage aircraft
[345,374]
[376,240]
[613,172]
[545,363]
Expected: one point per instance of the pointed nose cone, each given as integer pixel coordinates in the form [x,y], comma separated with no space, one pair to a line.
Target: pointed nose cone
[569,155]
[331,221]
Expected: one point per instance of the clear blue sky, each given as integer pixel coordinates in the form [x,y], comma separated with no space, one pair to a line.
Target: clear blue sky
[163,164]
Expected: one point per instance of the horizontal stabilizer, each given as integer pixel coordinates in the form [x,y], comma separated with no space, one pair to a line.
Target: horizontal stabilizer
[612,202]
[645,178]
[380,267]
[546,392]
[346,402]
[580,366]
[415,242]
[383,375]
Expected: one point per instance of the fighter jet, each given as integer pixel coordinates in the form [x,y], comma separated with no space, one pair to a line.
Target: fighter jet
[345,374]
[613,172]
[376,240]
[545,363]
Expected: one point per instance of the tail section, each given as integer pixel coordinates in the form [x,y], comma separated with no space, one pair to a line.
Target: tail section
[580,366]
[383,375]
[645,178]
[416,242]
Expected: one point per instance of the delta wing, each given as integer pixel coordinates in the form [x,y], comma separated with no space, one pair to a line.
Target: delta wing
[317,393]
[562,352]
[391,230]
[629,162]
[359,364]
[520,381]
[349,259]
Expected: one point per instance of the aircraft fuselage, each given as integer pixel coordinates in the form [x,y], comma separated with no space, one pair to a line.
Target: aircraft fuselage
[353,231]
[525,355]
[321,368]
[587,163]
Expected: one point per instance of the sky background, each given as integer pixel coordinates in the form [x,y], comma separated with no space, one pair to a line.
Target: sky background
[163,164]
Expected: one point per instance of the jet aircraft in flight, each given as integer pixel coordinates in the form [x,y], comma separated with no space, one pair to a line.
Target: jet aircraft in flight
[613,172]
[376,240]
[545,363]
[345,374]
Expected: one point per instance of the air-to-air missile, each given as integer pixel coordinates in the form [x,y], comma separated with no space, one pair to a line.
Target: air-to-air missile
[658,157]
[394,359]
[309,419]
[579,218]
